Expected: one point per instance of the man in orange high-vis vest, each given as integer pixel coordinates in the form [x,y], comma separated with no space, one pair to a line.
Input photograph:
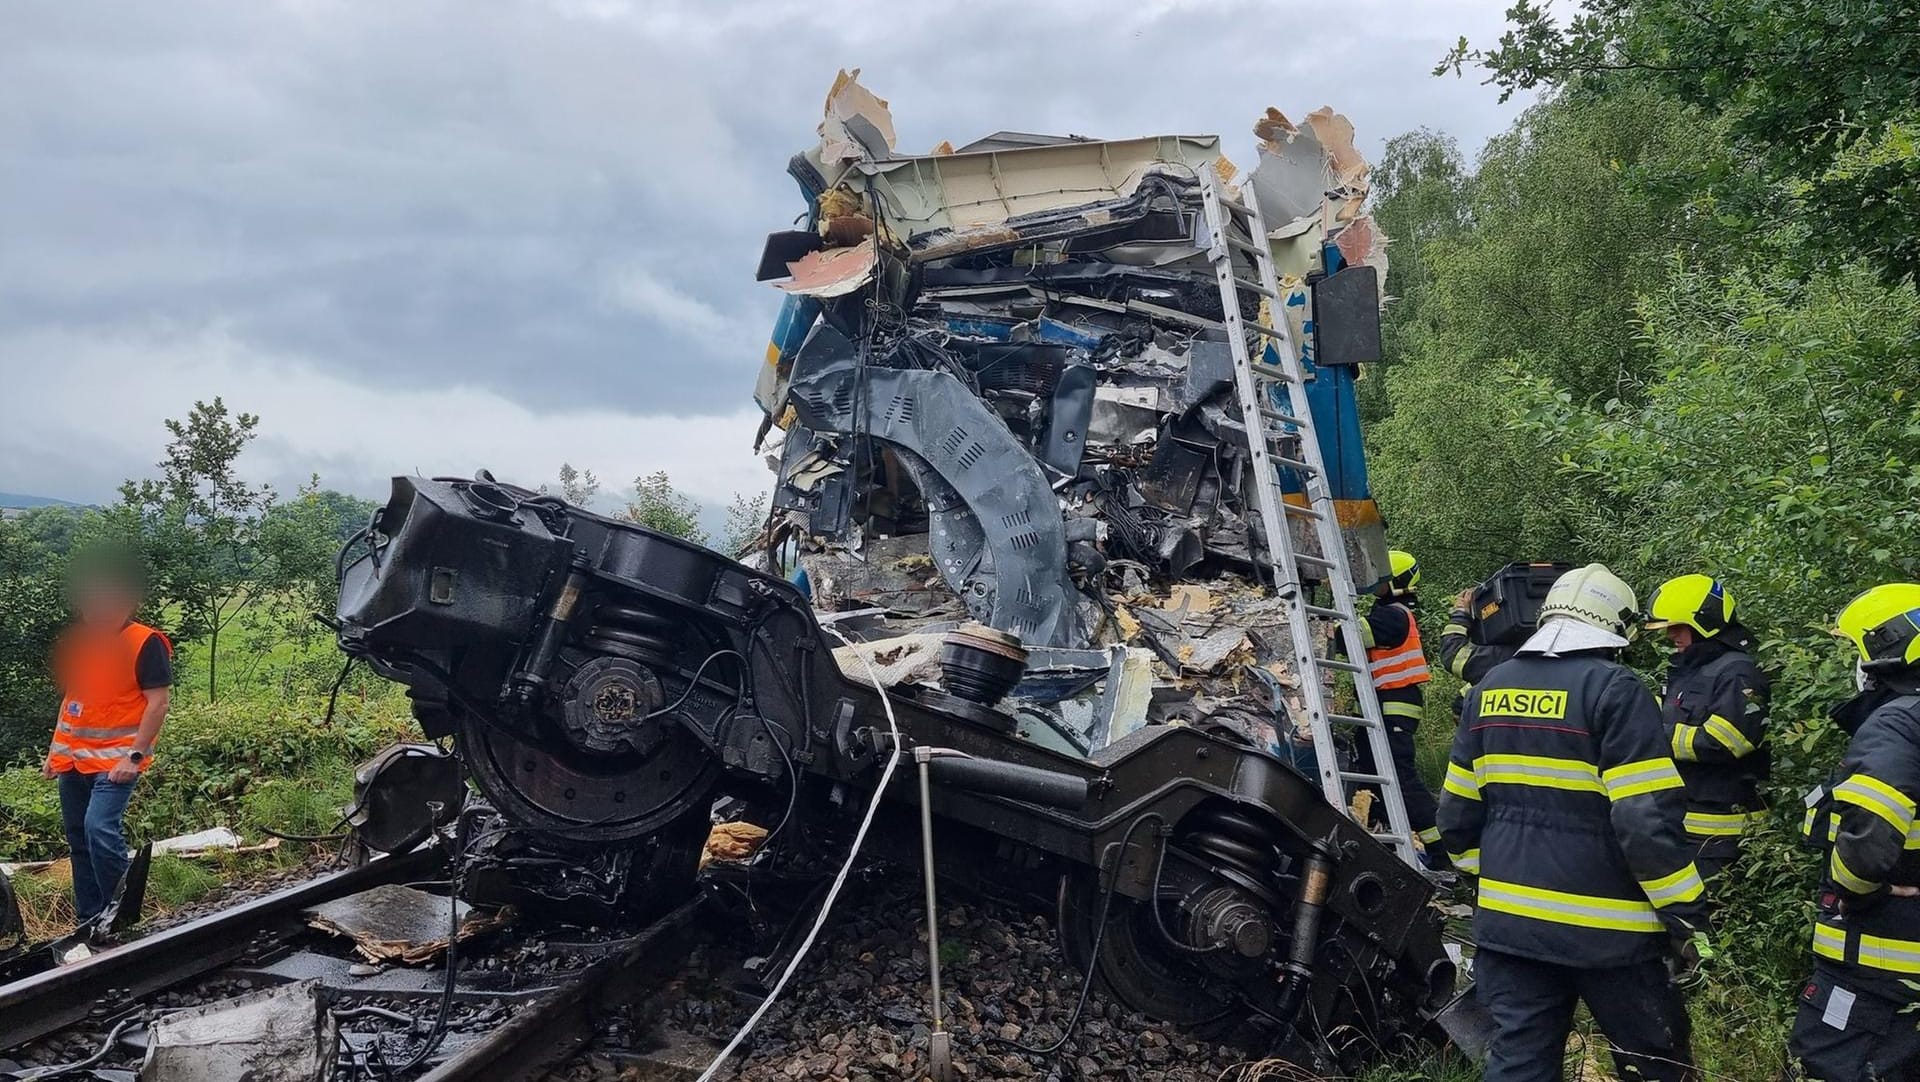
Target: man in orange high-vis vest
[114,678]
[1397,662]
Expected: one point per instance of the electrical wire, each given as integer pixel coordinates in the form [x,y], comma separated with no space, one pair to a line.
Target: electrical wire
[106,1047]
[694,684]
[839,880]
[333,697]
[1153,900]
[1093,953]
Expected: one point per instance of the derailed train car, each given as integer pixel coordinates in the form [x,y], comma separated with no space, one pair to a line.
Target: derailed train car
[1007,462]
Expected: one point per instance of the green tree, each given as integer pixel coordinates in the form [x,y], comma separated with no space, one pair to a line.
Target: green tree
[57,528]
[578,487]
[1419,198]
[349,514]
[199,525]
[746,520]
[1822,97]
[657,505]
[33,606]
[1535,270]
[298,541]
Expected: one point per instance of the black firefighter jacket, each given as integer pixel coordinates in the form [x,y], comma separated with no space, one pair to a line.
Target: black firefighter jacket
[1865,820]
[1715,709]
[1561,796]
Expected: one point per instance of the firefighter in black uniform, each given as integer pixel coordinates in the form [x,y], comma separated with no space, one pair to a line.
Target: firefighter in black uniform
[1468,661]
[1397,663]
[1562,798]
[1859,1013]
[1715,709]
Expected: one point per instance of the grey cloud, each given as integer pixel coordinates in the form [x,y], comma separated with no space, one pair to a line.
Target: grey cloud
[561,201]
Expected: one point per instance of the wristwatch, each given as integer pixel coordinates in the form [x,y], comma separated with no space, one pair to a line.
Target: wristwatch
[136,757]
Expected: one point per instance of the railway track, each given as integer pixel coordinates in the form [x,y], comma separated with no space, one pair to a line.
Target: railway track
[511,1019]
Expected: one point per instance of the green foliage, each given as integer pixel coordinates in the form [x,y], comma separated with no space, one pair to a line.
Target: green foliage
[1822,98]
[746,520]
[173,882]
[1420,198]
[1611,348]
[56,529]
[578,487]
[199,525]
[33,605]
[298,542]
[249,761]
[1532,267]
[657,505]
[1776,441]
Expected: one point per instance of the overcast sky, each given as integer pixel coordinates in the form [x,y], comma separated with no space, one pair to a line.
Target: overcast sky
[436,235]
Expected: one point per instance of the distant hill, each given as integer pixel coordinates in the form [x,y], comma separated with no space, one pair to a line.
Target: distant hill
[17,500]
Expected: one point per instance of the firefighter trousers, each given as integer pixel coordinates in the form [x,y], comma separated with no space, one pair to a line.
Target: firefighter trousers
[1532,1003]
[1421,806]
[1846,1032]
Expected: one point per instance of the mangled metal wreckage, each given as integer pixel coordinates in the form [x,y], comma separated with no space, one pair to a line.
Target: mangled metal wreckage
[1014,486]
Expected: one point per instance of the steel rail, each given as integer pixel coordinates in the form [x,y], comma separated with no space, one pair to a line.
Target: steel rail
[554,1028]
[46,1002]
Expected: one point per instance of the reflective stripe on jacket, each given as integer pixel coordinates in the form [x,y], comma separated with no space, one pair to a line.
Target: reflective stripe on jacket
[102,701]
[1401,664]
[1466,660]
[1715,710]
[1560,795]
[1867,819]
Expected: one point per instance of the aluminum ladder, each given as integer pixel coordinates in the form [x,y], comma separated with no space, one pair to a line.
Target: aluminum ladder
[1269,430]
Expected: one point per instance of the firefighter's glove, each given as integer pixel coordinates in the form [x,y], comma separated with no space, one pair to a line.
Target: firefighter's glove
[1689,950]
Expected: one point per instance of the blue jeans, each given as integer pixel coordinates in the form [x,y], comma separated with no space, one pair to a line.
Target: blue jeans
[91,809]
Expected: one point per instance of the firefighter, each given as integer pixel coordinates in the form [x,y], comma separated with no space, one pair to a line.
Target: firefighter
[1858,1012]
[1715,708]
[1467,661]
[1398,665]
[1562,798]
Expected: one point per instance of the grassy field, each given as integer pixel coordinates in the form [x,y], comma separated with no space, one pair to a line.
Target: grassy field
[264,756]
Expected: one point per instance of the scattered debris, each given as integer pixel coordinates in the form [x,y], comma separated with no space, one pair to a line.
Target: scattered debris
[400,924]
[1005,390]
[282,1032]
[732,841]
[199,841]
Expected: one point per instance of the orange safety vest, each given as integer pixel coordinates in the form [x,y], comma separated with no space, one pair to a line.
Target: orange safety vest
[1400,666]
[103,702]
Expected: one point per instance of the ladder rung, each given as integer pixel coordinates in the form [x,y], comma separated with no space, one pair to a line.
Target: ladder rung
[1343,666]
[1246,246]
[1349,719]
[1272,414]
[1317,561]
[1324,614]
[1262,328]
[1236,208]
[1365,779]
[1255,287]
[1295,464]
[1272,372]
[1303,512]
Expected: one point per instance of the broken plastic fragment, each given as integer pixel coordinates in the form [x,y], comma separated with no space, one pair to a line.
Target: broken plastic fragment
[857,124]
[834,272]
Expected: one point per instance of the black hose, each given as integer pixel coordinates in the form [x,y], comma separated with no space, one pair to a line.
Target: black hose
[1093,954]
[1159,920]
[106,1047]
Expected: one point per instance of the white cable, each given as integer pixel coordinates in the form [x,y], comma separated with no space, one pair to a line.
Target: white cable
[833,892]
